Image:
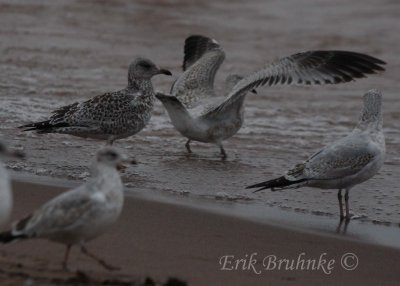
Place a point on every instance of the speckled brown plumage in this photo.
(110, 116)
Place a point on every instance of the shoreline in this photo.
(365, 231)
(161, 240)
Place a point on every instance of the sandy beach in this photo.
(161, 240)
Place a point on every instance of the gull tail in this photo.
(280, 183)
(176, 110)
(42, 126)
(8, 237)
(17, 232)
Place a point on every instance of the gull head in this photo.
(111, 157)
(142, 68)
(373, 98)
(372, 113)
(231, 80)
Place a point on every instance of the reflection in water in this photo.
(340, 229)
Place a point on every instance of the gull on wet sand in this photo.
(6, 200)
(110, 116)
(199, 115)
(79, 215)
(345, 163)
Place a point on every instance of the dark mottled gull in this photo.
(79, 215)
(345, 163)
(110, 116)
(200, 116)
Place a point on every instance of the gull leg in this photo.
(339, 195)
(223, 153)
(346, 224)
(338, 228)
(100, 261)
(187, 145)
(66, 255)
(346, 199)
(110, 140)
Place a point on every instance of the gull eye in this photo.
(112, 155)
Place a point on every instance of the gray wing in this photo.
(59, 214)
(308, 68)
(341, 159)
(203, 57)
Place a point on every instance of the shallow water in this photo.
(57, 53)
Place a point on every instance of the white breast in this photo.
(5, 196)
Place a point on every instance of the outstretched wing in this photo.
(312, 67)
(203, 57)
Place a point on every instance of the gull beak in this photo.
(123, 164)
(164, 71)
(161, 96)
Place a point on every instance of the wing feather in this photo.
(308, 68)
(203, 57)
(105, 109)
(195, 47)
(63, 212)
(338, 160)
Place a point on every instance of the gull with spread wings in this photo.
(199, 115)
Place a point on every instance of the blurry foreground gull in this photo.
(79, 215)
(199, 115)
(5, 186)
(345, 163)
(109, 116)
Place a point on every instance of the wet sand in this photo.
(162, 240)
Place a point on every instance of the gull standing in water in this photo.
(6, 200)
(81, 214)
(201, 116)
(345, 163)
(110, 116)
